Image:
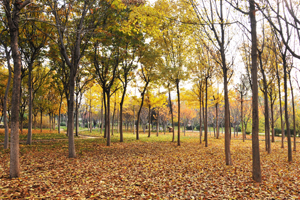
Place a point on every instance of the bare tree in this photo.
(215, 28)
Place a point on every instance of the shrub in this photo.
(189, 128)
(277, 131)
(63, 123)
(198, 127)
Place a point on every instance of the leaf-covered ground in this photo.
(157, 169)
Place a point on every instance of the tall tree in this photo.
(215, 27)
(13, 14)
(242, 89)
(32, 42)
(256, 167)
(5, 43)
(173, 44)
(72, 44)
(147, 73)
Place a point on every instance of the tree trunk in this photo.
(13, 23)
(113, 118)
(107, 120)
(140, 109)
(59, 113)
(102, 121)
(290, 158)
(266, 105)
(200, 120)
(281, 118)
(294, 113)
(41, 123)
(172, 117)
(117, 126)
(227, 122)
(6, 142)
(149, 121)
(50, 121)
(105, 113)
(272, 121)
(70, 128)
(53, 117)
(256, 168)
(90, 113)
(157, 123)
(76, 115)
(133, 120)
(29, 134)
(217, 122)
(205, 119)
(178, 97)
(242, 119)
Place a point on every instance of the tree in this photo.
(5, 44)
(132, 47)
(72, 44)
(216, 35)
(256, 168)
(13, 13)
(32, 43)
(148, 72)
(242, 89)
(173, 43)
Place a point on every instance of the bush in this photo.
(292, 132)
(248, 132)
(277, 131)
(189, 128)
(63, 123)
(198, 127)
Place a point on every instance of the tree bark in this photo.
(178, 97)
(29, 134)
(290, 158)
(6, 136)
(59, 113)
(256, 168)
(205, 119)
(157, 123)
(217, 122)
(280, 108)
(41, 122)
(102, 116)
(70, 128)
(107, 119)
(13, 24)
(294, 113)
(113, 118)
(242, 118)
(200, 120)
(140, 109)
(149, 130)
(171, 110)
(76, 115)
(266, 105)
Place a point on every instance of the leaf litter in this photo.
(149, 170)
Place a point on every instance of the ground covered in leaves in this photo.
(149, 169)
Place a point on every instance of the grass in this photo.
(46, 134)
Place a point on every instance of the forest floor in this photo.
(152, 168)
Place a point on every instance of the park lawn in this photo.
(152, 168)
(46, 134)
